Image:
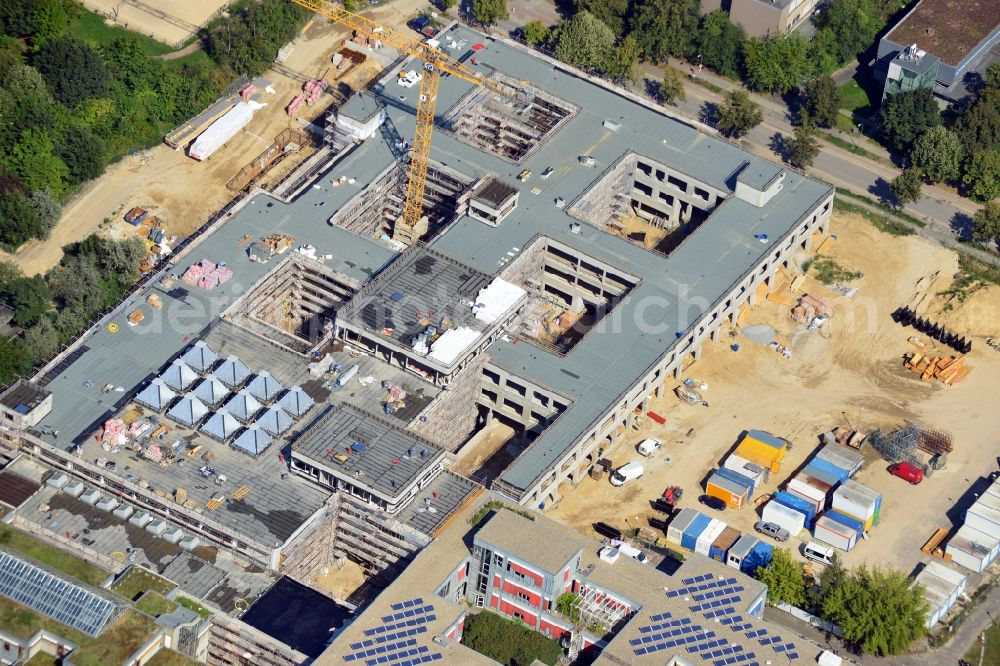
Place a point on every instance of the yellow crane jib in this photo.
(436, 63)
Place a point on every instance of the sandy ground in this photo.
(341, 582)
(168, 21)
(182, 192)
(480, 458)
(852, 368)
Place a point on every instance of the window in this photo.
(677, 182)
(523, 596)
(498, 559)
(701, 193)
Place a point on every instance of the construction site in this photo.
(338, 371)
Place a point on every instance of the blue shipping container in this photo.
(760, 556)
(690, 537)
(821, 474)
(807, 509)
(846, 521)
(840, 474)
(736, 477)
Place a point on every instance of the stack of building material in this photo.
(749, 553)
(859, 502)
(731, 487)
(949, 370)
(942, 588)
(135, 317)
(805, 507)
(838, 530)
(720, 547)
(313, 88)
(153, 452)
(115, 432)
(155, 301)
(809, 308)
(197, 270)
(293, 106)
(782, 516)
(763, 449)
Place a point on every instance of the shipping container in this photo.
(821, 474)
(972, 549)
(760, 556)
(740, 550)
(720, 547)
(840, 474)
(767, 438)
(708, 536)
(857, 501)
(942, 586)
(842, 457)
(223, 129)
(675, 530)
(833, 531)
(738, 477)
(989, 501)
(805, 507)
(781, 515)
(690, 537)
(753, 471)
(983, 518)
(765, 450)
(730, 492)
(809, 489)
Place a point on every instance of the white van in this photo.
(627, 472)
(648, 447)
(631, 551)
(818, 552)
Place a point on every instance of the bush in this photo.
(508, 642)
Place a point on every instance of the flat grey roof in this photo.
(362, 106)
(418, 290)
(446, 494)
(532, 540)
(759, 174)
(379, 453)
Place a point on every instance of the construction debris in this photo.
(136, 216)
(949, 370)
(269, 246)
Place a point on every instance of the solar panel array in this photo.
(392, 642)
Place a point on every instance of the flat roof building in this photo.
(761, 18)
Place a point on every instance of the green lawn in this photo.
(855, 99)
(880, 222)
(138, 580)
(167, 657)
(54, 557)
(91, 27)
(992, 655)
(192, 605)
(113, 646)
(155, 604)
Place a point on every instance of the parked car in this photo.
(608, 531)
(627, 472)
(547, 172)
(648, 446)
(907, 472)
(712, 502)
(770, 529)
(818, 552)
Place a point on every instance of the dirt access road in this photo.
(852, 367)
(183, 192)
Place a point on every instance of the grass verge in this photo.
(192, 605)
(854, 98)
(137, 581)
(895, 212)
(56, 558)
(852, 147)
(718, 90)
(991, 652)
(880, 222)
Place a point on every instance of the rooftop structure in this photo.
(232, 372)
(66, 601)
(23, 404)
(200, 357)
(157, 395)
(760, 18)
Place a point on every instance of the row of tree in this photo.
(881, 611)
(91, 277)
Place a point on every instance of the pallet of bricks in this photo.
(949, 370)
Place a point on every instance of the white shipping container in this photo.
(971, 549)
(798, 485)
(984, 515)
(989, 501)
(753, 471)
(841, 457)
(790, 519)
(708, 537)
(853, 504)
(223, 129)
(982, 524)
(837, 535)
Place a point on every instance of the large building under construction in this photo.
(578, 248)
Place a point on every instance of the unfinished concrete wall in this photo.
(451, 418)
(312, 550)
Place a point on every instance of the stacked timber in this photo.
(949, 370)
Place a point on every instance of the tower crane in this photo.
(435, 63)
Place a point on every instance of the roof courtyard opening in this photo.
(646, 202)
(510, 127)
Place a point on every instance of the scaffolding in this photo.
(592, 610)
(901, 445)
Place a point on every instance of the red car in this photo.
(907, 472)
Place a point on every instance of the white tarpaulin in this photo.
(496, 299)
(452, 343)
(223, 129)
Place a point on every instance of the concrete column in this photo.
(678, 371)
(697, 353)
(715, 334)
(752, 300)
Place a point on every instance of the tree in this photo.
(41, 341)
(490, 12)
(803, 148)
(25, 81)
(849, 27)
(664, 28)
(249, 40)
(73, 70)
(777, 64)
(76, 282)
(882, 611)
(672, 87)
(83, 153)
(938, 153)
(535, 32)
(784, 579)
(583, 41)
(986, 223)
(566, 603)
(33, 161)
(738, 114)
(48, 209)
(620, 65)
(978, 128)
(906, 187)
(822, 100)
(982, 175)
(907, 115)
(30, 298)
(831, 577)
(611, 13)
(719, 42)
(50, 18)
(21, 221)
